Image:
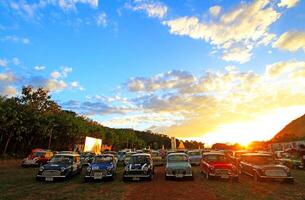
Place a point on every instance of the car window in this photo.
(139, 160)
(177, 158)
(102, 159)
(215, 157)
(62, 159)
(39, 154)
(194, 153)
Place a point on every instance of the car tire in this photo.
(256, 177)
(167, 177)
(86, 179)
(207, 176)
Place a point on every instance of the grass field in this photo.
(19, 183)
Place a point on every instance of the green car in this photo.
(178, 166)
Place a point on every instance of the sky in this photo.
(207, 70)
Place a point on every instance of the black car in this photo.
(61, 166)
(140, 166)
(262, 166)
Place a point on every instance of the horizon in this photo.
(213, 71)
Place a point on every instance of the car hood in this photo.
(56, 166)
(101, 166)
(178, 165)
(271, 167)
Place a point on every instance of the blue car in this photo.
(102, 167)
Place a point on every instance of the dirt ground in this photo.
(19, 183)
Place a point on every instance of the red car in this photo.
(216, 164)
(37, 157)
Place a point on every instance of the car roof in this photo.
(197, 150)
(177, 153)
(141, 154)
(256, 154)
(66, 154)
(105, 154)
(213, 153)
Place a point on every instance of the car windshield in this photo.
(39, 154)
(121, 153)
(139, 160)
(215, 157)
(102, 159)
(262, 160)
(194, 153)
(177, 158)
(62, 159)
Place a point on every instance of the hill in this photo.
(295, 130)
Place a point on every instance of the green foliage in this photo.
(34, 120)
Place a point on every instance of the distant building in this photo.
(281, 146)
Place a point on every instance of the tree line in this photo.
(34, 120)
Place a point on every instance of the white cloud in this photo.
(55, 85)
(237, 54)
(288, 3)
(101, 19)
(3, 63)
(242, 28)
(280, 68)
(16, 61)
(151, 8)
(291, 41)
(16, 39)
(55, 74)
(170, 80)
(71, 4)
(39, 67)
(9, 91)
(215, 10)
(6, 77)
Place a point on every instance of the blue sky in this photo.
(188, 68)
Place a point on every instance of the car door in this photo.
(204, 164)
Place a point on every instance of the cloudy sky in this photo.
(211, 70)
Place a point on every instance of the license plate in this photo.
(135, 178)
(179, 176)
(98, 175)
(224, 176)
(49, 178)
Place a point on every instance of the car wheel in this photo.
(256, 177)
(207, 176)
(167, 177)
(86, 179)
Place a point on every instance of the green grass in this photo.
(19, 183)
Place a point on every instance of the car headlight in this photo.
(62, 169)
(145, 168)
(127, 168)
(89, 169)
(109, 168)
(41, 168)
(212, 168)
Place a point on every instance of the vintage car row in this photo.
(140, 166)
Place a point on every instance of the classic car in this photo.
(102, 166)
(61, 166)
(216, 164)
(121, 156)
(37, 157)
(157, 159)
(127, 157)
(86, 158)
(140, 166)
(264, 166)
(178, 166)
(195, 157)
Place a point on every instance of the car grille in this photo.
(179, 171)
(276, 172)
(136, 172)
(51, 173)
(222, 172)
(104, 172)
